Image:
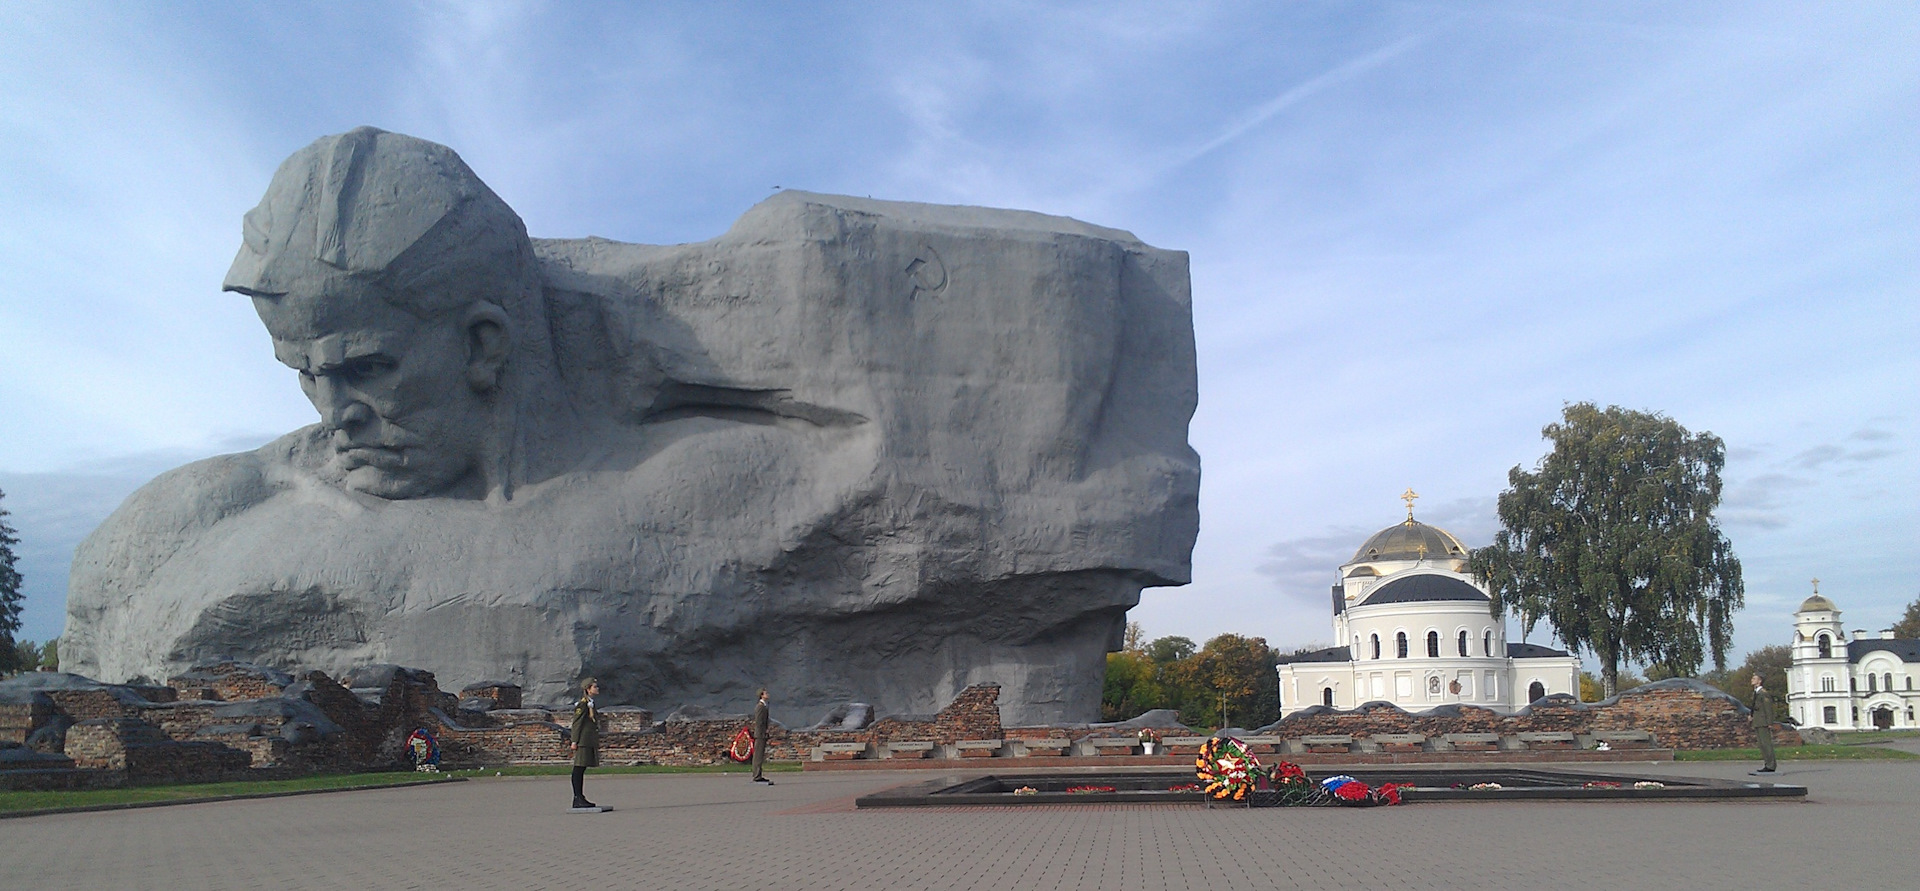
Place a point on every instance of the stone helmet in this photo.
(394, 212)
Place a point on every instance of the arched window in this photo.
(1433, 645)
(1888, 685)
(1873, 683)
(1909, 682)
(1853, 686)
(1326, 696)
(1826, 647)
(1376, 646)
(1486, 643)
(1463, 642)
(1535, 691)
(1400, 645)
(1826, 686)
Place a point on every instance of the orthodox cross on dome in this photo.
(1408, 497)
(1816, 586)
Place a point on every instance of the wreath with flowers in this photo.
(741, 748)
(1226, 769)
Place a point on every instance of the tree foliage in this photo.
(30, 656)
(1228, 681)
(1909, 625)
(9, 594)
(1770, 663)
(1612, 540)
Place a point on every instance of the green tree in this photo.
(1168, 650)
(1132, 686)
(1230, 681)
(1612, 540)
(1909, 625)
(9, 595)
(1770, 663)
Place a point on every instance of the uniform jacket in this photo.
(1762, 708)
(586, 734)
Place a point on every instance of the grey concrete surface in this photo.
(721, 832)
(850, 450)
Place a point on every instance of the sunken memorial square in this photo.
(849, 450)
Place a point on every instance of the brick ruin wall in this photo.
(148, 734)
(1676, 715)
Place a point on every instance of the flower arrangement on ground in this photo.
(1228, 770)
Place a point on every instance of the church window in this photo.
(1376, 646)
(1400, 645)
(1463, 642)
(1826, 685)
(1829, 716)
(1486, 643)
(1888, 686)
(1873, 683)
(1826, 647)
(1326, 696)
(1909, 682)
(1909, 714)
(1535, 691)
(1433, 645)
(1853, 684)
(1856, 714)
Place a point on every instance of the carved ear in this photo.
(489, 342)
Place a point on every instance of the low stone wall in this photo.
(1679, 713)
(230, 681)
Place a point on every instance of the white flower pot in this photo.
(1146, 747)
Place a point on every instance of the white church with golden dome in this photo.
(1419, 633)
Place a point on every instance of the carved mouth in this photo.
(381, 457)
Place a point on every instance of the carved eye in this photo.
(359, 371)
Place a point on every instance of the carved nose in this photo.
(351, 415)
(340, 409)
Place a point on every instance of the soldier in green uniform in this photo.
(760, 740)
(1763, 723)
(586, 740)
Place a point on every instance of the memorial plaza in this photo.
(720, 832)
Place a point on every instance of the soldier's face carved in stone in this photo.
(407, 402)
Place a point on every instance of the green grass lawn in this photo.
(1837, 752)
(34, 801)
(560, 770)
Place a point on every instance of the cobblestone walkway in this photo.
(719, 832)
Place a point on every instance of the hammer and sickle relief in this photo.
(927, 272)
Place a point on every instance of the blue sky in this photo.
(1417, 230)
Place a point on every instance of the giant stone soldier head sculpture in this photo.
(853, 449)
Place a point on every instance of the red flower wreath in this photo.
(741, 749)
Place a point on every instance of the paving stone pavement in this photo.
(720, 832)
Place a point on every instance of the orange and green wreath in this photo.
(1226, 769)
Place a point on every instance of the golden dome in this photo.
(1410, 540)
(1817, 602)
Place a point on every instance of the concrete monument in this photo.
(849, 450)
